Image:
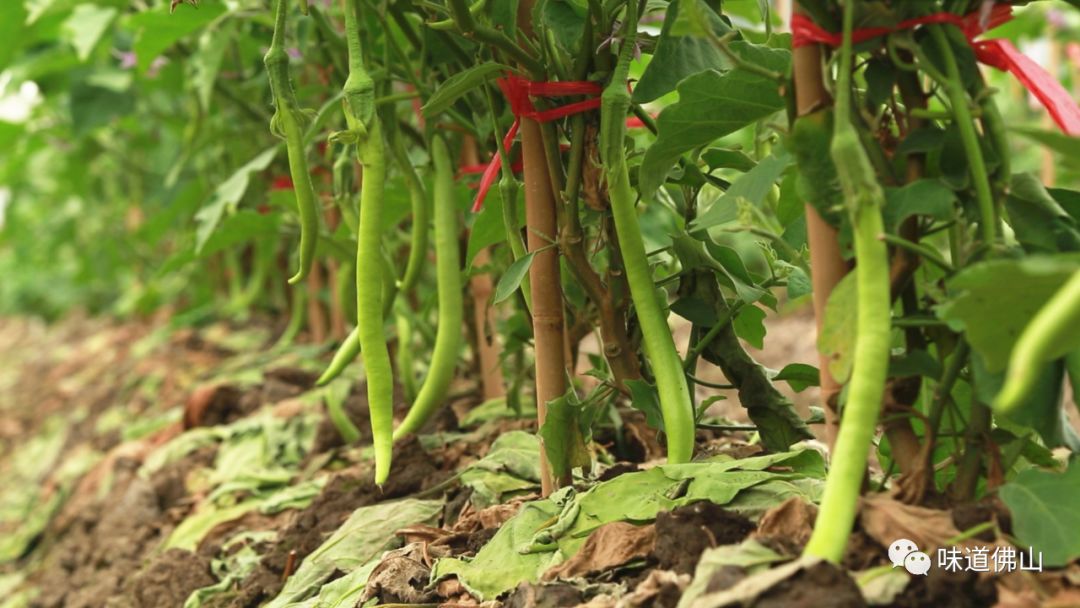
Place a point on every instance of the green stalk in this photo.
(864, 200)
(958, 100)
(448, 334)
(675, 403)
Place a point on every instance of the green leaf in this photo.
(157, 30)
(749, 325)
(751, 187)
(837, 338)
(564, 442)
(85, 27)
(1068, 147)
(488, 228)
(354, 544)
(992, 301)
(1040, 223)
(205, 63)
(12, 17)
(723, 158)
(927, 197)
(459, 84)
(1045, 510)
(694, 121)
(565, 20)
(800, 376)
(94, 106)
(643, 397)
(817, 182)
(679, 53)
(228, 195)
(511, 279)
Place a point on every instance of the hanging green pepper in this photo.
(675, 401)
(288, 123)
(451, 310)
(864, 200)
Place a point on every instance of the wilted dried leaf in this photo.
(609, 546)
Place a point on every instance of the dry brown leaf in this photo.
(792, 521)
(610, 545)
(657, 583)
(885, 520)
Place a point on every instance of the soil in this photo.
(102, 547)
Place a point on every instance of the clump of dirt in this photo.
(684, 533)
(169, 579)
(104, 546)
(548, 595)
(943, 588)
(822, 584)
(346, 492)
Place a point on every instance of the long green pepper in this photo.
(363, 123)
(288, 123)
(675, 403)
(864, 200)
(451, 309)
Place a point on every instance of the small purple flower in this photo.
(128, 60)
(294, 53)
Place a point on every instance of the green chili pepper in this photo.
(418, 199)
(365, 129)
(345, 355)
(451, 312)
(288, 123)
(864, 200)
(1037, 344)
(675, 401)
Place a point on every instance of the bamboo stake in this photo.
(827, 265)
(544, 276)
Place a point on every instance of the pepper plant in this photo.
(495, 183)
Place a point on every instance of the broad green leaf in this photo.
(354, 544)
(1040, 223)
(681, 53)
(205, 63)
(751, 187)
(461, 83)
(564, 442)
(499, 566)
(927, 197)
(799, 376)
(511, 279)
(1045, 510)
(837, 339)
(157, 30)
(992, 301)
(643, 397)
(1040, 410)
(817, 182)
(12, 31)
(94, 106)
(749, 325)
(565, 20)
(694, 121)
(722, 158)
(228, 195)
(750, 556)
(488, 228)
(88, 22)
(510, 467)
(1068, 147)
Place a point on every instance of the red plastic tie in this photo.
(998, 53)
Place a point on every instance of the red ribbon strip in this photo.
(518, 92)
(998, 53)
